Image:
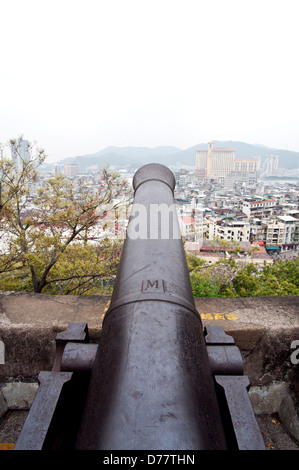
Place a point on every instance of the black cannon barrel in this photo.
(151, 385)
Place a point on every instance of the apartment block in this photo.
(275, 234)
(258, 232)
(258, 207)
(291, 224)
(238, 231)
(186, 225)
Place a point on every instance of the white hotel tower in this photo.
(215, 163)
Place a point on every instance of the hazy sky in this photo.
(77, 76)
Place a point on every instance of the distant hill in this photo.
(134, 157)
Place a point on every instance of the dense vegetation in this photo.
(48, 248)
(227, 278)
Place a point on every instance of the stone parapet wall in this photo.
(29, 324)
(264, 329)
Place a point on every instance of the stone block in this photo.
(289, 416)
(19, 395)
(268, 399)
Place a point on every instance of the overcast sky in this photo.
(77, 76)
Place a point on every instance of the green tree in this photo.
(246, 283)
(15, 183)
(230, 279)
(48, 244)
(195, 263)
(214, 280)
(203, 286)
(14, 180)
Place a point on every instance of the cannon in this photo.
(156, 379)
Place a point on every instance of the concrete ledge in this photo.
(29, 324)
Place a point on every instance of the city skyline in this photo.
(78, 77)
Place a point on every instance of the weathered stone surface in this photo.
(263, 328)
(11, 427)
(271, 358)
(268, 399)
(19, 395)
(3, 405)
(30, 322)
(289, 416)
(55, 311)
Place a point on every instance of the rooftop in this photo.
(187, 220)
(287, 218)
(212, 246)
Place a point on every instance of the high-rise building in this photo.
(271, 165)
(246, 171)
(70, 170)
(215, 163)
(58, 168)
(20, 152)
